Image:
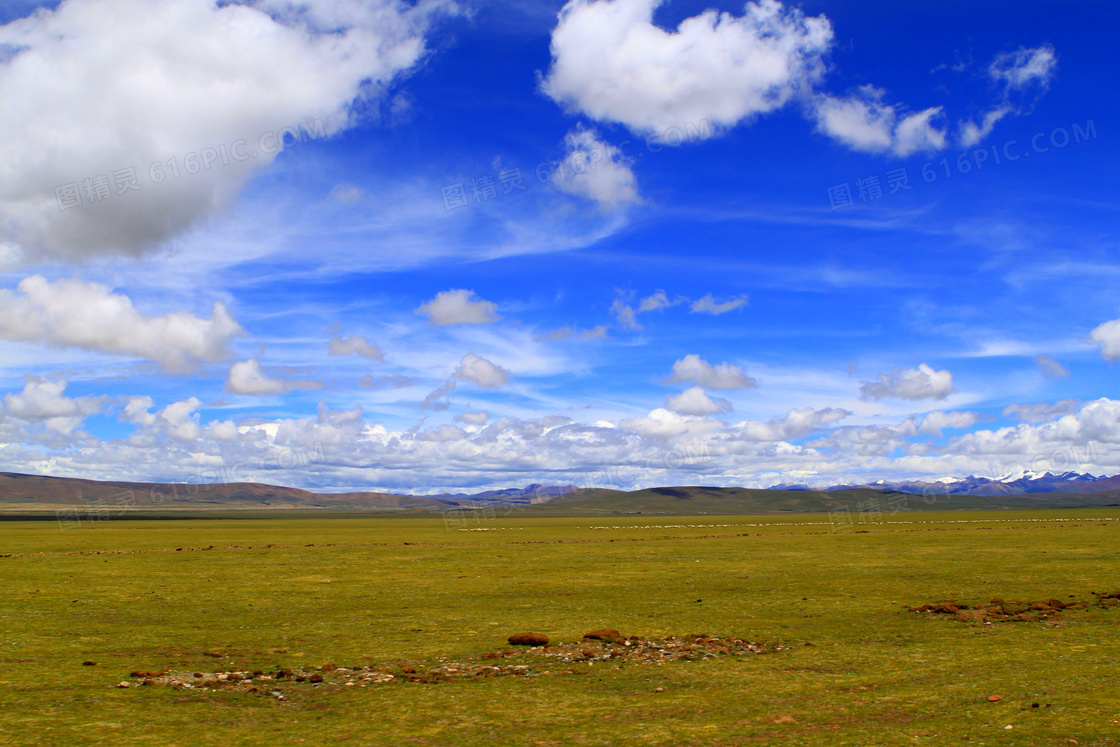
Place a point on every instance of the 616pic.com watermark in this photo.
(100, 187)
(871, 188)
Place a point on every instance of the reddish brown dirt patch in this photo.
(610, 635)
(1001, 610)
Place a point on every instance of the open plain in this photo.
(392, 630)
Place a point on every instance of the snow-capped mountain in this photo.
(1013, 483)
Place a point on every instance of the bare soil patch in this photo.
(1003, 611)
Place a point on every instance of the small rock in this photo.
(528, 639)
(994, 698)
(659, 689)
(1034, 705)
(122, 684)
(1009, 726)
(89, 663)
(315, 678)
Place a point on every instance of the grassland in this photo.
(390, 590)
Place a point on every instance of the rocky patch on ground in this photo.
(556, 659)
(999, 610)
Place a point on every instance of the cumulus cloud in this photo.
(934, 423)
(1022, 77)
(862, 121)
(1107, 338)
(611, 62)
(922, 382)
(355, 345)
(45, 401)
(246, 377)
(709, 305)
(694, 369)
(181, 419)
(473, 418)
(695, 401)
(796, 424)
(596, 171)
(73, 313)
(482, 372)
(458, 307)
(106, 126)
(663, 425)
(1050, 368)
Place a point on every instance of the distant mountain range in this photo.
(1015, 483)
(35, 494)
(30, 492)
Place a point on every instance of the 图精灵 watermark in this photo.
(117, 183)
(874, 187)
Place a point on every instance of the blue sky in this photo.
(513, 243)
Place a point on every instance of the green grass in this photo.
(386, 589)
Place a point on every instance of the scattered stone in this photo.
(528, 639)
(122, 684)
(89, 663)
(535, 661)
(994, 698)
(659, 689)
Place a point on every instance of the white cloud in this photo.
(1022, 76)
(662, 425)
(458, 307)
(355, 345)
(473, 418)
(657, 301)
(863, 122)
(246, 377)
(1107, 338)
(611, 62)
(596, 171)
(181, 419)
(481, 371)
(1025, 67)
(709, 305)
(1041, 411)
(796, 424)
(136, 410)
(1050, 368)
(73, 313)
(695, 401)
(595, 333)
(693, 369)
(934, 422)
(922, 382)
(103, 86)
(627, 315)
(43, 400)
